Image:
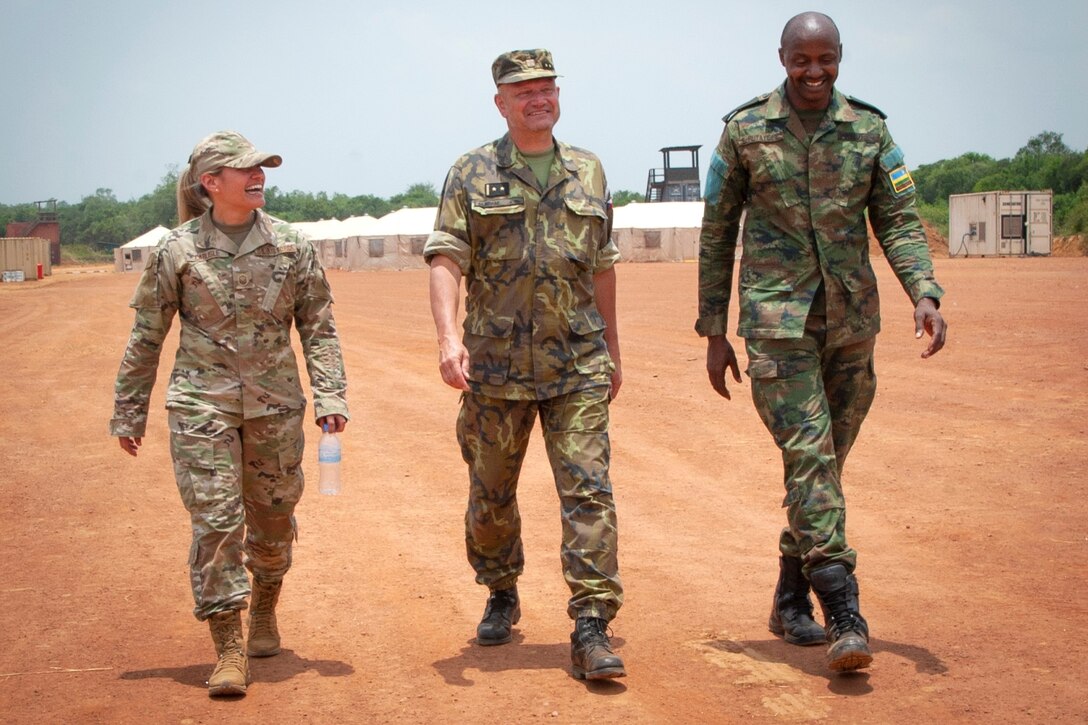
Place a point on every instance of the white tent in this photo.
(132, 255)
(659, 231)
(397, 239)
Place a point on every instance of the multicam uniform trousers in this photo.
(813, 399)
(240, 481)
(494, 434)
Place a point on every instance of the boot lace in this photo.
(263, 614)
(594, 631)
(843, 619)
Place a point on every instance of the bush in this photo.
(84, 254)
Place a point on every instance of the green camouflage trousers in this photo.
(240, 481)
(494, 434)
(813, 399)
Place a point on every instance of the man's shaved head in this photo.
(808, 24)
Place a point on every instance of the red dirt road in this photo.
(966, 493)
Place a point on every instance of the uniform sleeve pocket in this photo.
(586, 323)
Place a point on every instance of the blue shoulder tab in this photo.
(749, 104)
(867, 106)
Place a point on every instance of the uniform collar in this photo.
(509, 158)
(839, 110)
(210, 237)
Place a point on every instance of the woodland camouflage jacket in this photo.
(528, 255)
(805, 202)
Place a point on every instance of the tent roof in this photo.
(357, 226)
(406, 222)
(148, 239)
(322, 229)
(659, 215)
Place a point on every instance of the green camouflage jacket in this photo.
(805, 203)
(528, 255)
(234, 355)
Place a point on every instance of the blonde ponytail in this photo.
(193, 200)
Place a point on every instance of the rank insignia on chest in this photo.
(498, 188)
(901, 180)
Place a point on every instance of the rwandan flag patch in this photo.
(901, 180)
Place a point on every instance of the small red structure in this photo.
(45, 226)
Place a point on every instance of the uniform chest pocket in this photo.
(856, 158)
(206, 290)
(783, 175)
(499, 227)
(584, 227)
(272, 274)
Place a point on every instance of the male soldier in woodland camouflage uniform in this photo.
(806, 162)
(526, 220)
(237, 278)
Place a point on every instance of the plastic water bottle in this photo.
(328, 460)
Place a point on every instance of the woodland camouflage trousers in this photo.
(813, 399)
(494, 434)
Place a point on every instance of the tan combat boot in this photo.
(264, 638)
(231, 674)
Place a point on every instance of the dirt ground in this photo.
(966, 493)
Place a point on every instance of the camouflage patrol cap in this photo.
(522, 65)
(228, 148)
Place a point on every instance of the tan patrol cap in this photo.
(228, 148)
(522, 65)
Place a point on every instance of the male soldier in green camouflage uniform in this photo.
(237, 278)
(526, 220)
(806, 162)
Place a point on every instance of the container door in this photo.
(1039, 224)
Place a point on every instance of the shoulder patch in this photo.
(899, 178)
(867, 106)
(715, 177)
(749, 104)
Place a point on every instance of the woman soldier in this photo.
(237, 278)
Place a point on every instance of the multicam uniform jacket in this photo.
(532, 329)
(236, 310)
(806, 200)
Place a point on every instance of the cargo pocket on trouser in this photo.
(272, 450)
(207, 479)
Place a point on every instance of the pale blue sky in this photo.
(368, 98)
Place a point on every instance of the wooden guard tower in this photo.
(679, 179)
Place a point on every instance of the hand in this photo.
(719, 355)
(453, 363)
(130, 445)
(927, 318)
(617, 381)
(336, 423)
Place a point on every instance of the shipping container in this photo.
(26, 255)
(999, 224)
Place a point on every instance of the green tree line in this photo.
(102, 221)
(1045, 162)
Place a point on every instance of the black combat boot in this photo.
(847, 630)
(791, 611)
(591, 654)
(502, 612)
